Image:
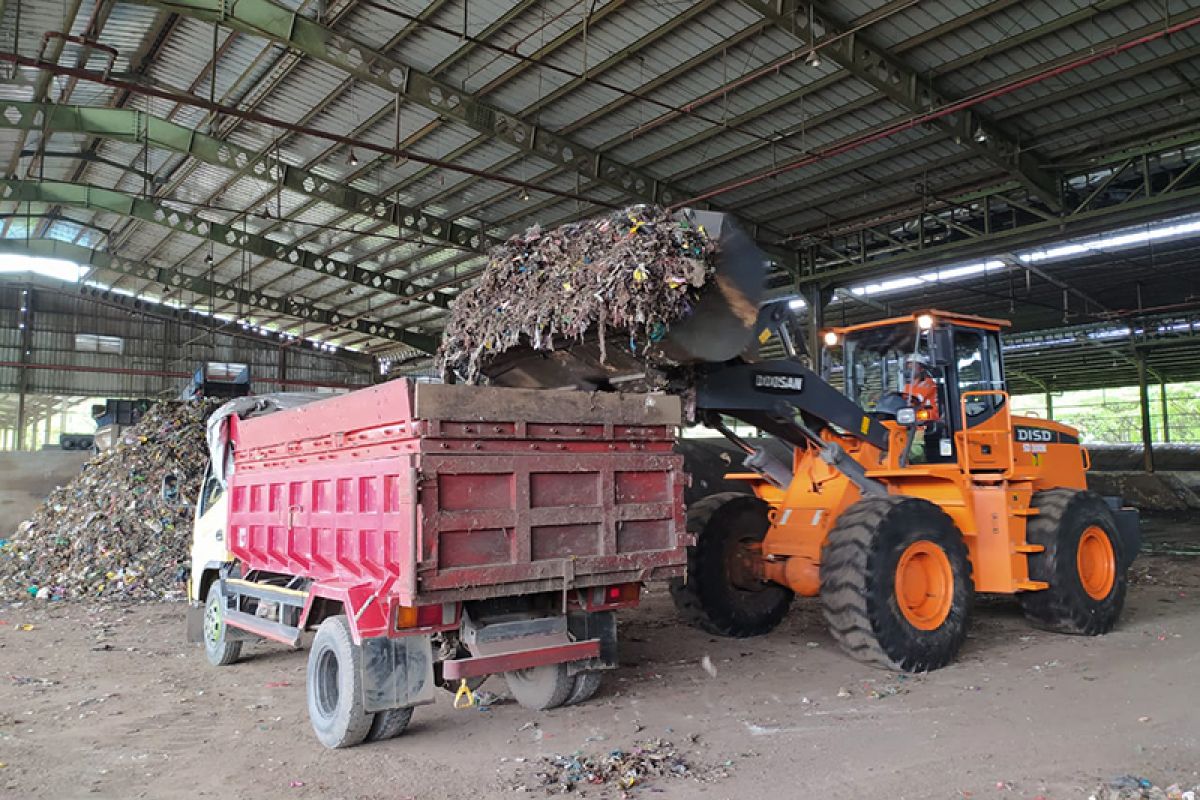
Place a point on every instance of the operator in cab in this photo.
(922, 390)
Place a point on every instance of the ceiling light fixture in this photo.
(353, 159)
(814, 59)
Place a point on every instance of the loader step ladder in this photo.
(290, 603)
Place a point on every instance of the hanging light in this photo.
(524, 194)
(353, 159)
(814, 59)
(980, 134)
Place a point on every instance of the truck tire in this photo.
(586, 685)
(334, 686)
(896, 583)
(219, 649)
(541, 688)
(389, 724)
(710, 597)
(1082, 562)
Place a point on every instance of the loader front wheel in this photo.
(721, 594)
(896, 583)
(1081, 561)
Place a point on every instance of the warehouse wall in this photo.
(27, 478)
(152, 344)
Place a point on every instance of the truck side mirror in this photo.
(941, 347)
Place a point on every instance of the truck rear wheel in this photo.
(720, 594)
(334, 686)
(220, 650)
(585, 686)
(1082, 562)
(389, 724)
(541, 688)
(896, 583)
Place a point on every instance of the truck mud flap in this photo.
(195, 623)
(397, 673)
(1129, 527)
(600, 625)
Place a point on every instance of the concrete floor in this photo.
(108, 702)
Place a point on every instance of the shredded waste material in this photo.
(646, 763)
(634, 272)
(1133, 787)
(109, 533)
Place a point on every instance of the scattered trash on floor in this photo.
(632, 272)
(646, 764)
(108, 533)
(1133, 787)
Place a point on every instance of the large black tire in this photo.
(868, 614)
(586, 684)
(334, 686)
(707, 598)
(541, 688)
(389, 724)
(219, 649)
(1064, 516)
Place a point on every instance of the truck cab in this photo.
(210, 550)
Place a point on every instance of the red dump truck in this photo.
(432, 535)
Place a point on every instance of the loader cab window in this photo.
(211, 492)
(977, 368)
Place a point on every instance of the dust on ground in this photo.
(107, 701)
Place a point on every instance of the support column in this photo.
(817, 297)
(46, 427)
(25, 329)
(1144, 402)
(1166, 417)
(1049, 404)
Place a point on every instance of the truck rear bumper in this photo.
(520, 659)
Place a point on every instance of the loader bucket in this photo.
(720, 327)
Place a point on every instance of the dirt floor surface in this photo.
(107, 701)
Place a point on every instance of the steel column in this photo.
(1144, 402)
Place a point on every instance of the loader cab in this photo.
(922, 367)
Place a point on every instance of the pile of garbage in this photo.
(634, 271)
(1132, 787)
(109, 533)
(621, 770)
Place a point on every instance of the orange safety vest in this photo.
(926, 389)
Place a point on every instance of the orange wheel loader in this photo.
(910, 489)
(911, 485)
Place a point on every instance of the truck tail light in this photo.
(425, 616)
(621, 594)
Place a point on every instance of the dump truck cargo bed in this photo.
(409, 494)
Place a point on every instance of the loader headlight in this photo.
(925, 322)
(906, 416)
(831, 339)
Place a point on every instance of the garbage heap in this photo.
(634, 271)
(109, 533)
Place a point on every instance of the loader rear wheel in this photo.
(219, 649)
(1081, 561)
(720, 594)
(896, 583)
(334, 686)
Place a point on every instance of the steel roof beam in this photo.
(99, 199)
(277, 22)
(176, 280)
(140, 128)
(902, 84)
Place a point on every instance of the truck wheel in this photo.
(1082, 563)
(541, 688)
(334, 686)
(389, 724)
(220, 650)
(586, 685)
(896, 583)
(719, 594)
